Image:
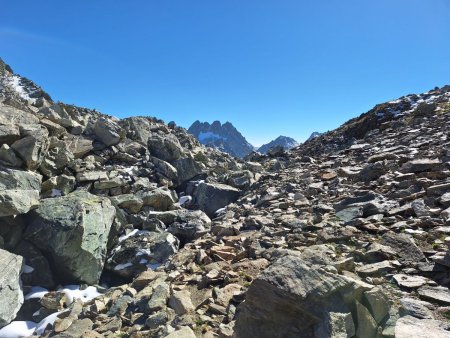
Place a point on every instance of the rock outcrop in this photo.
(11, 294)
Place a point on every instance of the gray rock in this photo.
(141, 250)
(78, 145)
(59, 115)
(420, 209)
(181, 302)
(19, 191)
(58, 157)
(416, 308)
(290, 299)
(378, 304)
(11, 294)
(165, 168)
(367, 326)
(184, 332)
(187, 168)
(165, 147)
(372, 172)
(439, 295)
(410, 282)
(159, 199)
(420, 165)
(33, 147)
(407, 327)
(349, 214)
(9, 133)
(16, 202)
(73, 230)
(210, 197)
(107, 131)
(12, 115)
(158, 300)
(408, 252)
(9, 157)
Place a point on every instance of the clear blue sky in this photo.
(270, 67)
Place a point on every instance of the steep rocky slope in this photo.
(281, 141)
(88, 198)
(346, 235)
(224, 137)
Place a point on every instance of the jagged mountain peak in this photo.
(224, 137)
(283, 141)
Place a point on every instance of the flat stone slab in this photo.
(438, 295)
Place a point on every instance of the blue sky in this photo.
(271, 67)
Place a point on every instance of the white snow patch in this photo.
(27, 269)
(184, 199)
(133, 233)
(73, 292)
(122, 266)
(36, 292)
(19, 329)
(14, 83)
(209, 135)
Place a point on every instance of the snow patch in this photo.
(73, 292)
(184, 199)
(14, 82)
(27, 269)
(119, 267)
(19, 329)
(133, 233)
(36, 292)
(209, 135)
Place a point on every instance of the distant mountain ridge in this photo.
(283, 141)
(227, 138)
(224, 137)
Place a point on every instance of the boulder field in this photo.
(132, 228)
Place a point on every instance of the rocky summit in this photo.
(224, 137)
(283, 142)
(132, 228)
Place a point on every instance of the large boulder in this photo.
(107, 131)
(11, 295)
(19, 191)
(73, 230)
(9, 133)
(409, 326)
(33, 147)
(165, 147)
(57, 114)
(158, 199)
(295, 298)
(187, 168)
(291, 299)
(210, 197)
(13, 115)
